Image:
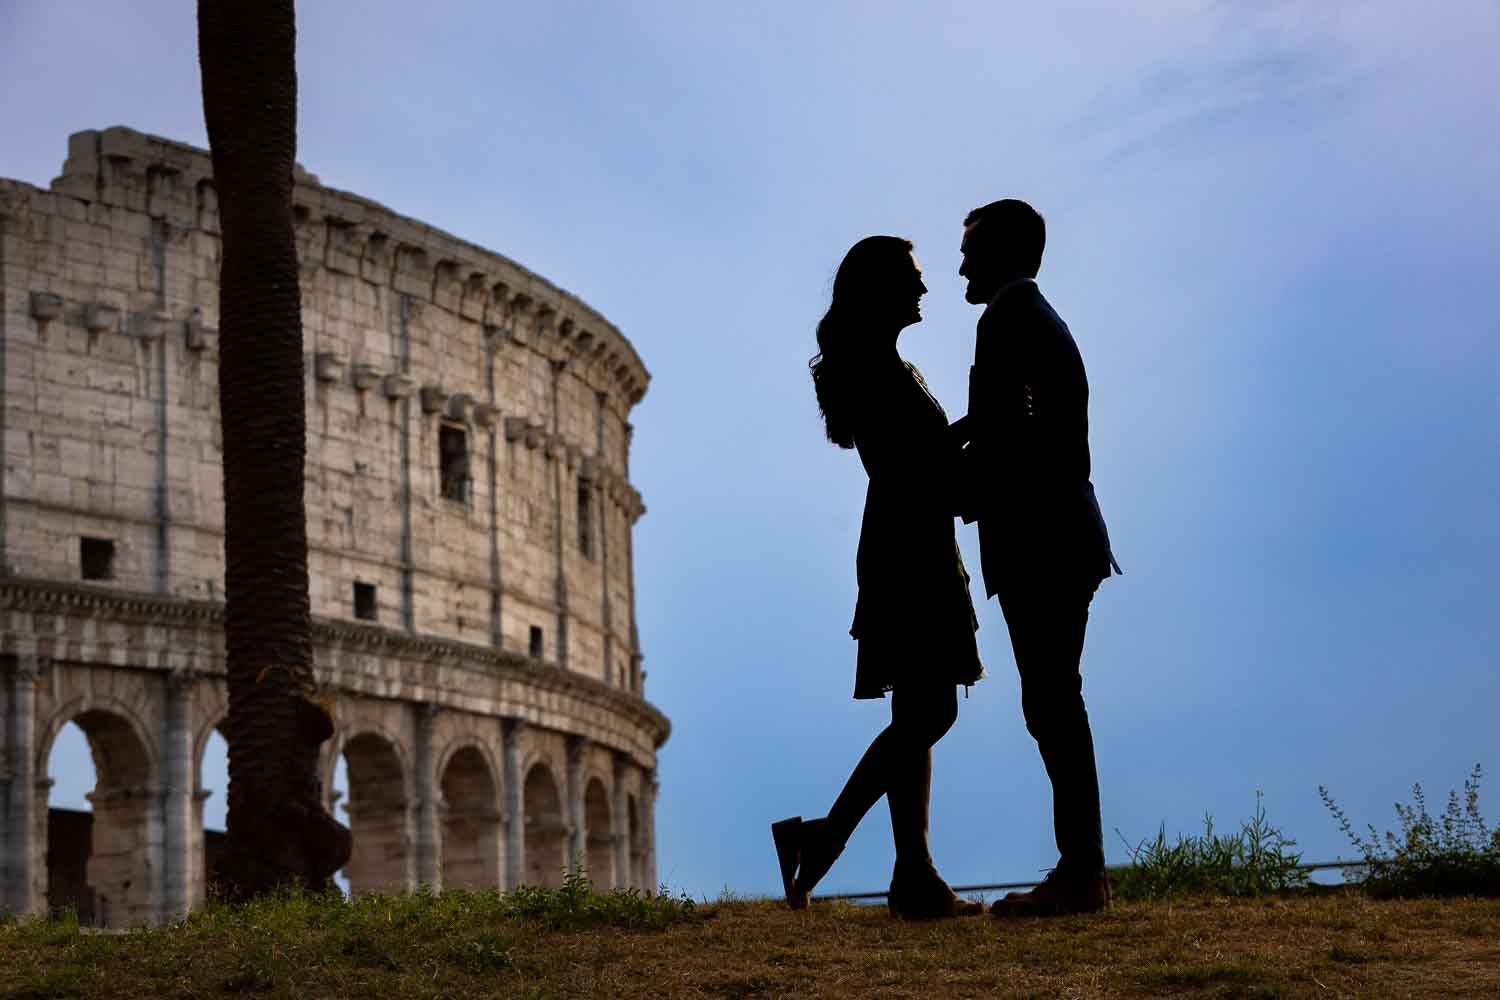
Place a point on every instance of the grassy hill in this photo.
(589, 945)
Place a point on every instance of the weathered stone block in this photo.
(46, 307)
(100, 317)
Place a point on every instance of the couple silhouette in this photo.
(1017, 464)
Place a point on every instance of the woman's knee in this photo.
(924, 717)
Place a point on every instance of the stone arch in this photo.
(105, 866)
(206, 846)
(72, 710)
(546, 829)
(379, 817)
(210, 708)
(470, 818)
(334, 748)
(599, 850)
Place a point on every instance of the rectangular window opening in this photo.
(97, 558)
(364, 601)
(453, 462)
(586, 518)
(536, 642)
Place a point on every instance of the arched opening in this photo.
(471, 823)
(99, 858)
(210, 810)
(600, 856)
(338, 807)
(546, 832)
(377, 817)
(637, 851)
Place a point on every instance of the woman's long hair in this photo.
(858, 287)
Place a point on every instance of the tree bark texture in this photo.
(279, 832)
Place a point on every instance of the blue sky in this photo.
(1272, 229)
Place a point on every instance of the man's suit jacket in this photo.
(1025, 472)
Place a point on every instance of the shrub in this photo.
(1453, 855)
(1255, 861)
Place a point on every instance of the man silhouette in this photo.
(1043, 544)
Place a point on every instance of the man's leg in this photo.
(1047, 625)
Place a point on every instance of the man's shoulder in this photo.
(1021, 304)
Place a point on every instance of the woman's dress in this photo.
(914, 620)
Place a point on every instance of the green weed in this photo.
(1254, 861)
(576, 905)
(1456, 854)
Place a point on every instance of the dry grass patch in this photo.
(460, 945)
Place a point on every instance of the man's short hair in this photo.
(1012, 229)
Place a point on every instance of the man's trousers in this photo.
(1047, 619)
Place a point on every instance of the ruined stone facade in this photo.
(469, 530)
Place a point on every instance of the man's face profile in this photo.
(976, 266)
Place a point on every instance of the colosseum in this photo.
(469, 540)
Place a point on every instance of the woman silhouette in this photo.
(914, 620)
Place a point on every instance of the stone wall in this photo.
(111, 409)
(463, 416)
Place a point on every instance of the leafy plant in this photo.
(1256, 860)
(577, 905)
(1456, 854)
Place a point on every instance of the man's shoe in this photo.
(1057, 895)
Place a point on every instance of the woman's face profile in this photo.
(909, 291)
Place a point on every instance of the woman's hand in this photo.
(958, 431)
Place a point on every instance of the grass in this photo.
(487, 945)
(1211, 916)
(1255, 860)
(296, 944)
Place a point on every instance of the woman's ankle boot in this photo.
(805, 850)
(787, 836)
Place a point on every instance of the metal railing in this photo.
(858, 897)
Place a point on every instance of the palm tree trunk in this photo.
(279, 833)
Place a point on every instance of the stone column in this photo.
(648, 829)
(127, 853)
(179, 861)
(428, 850)
(560, 587)
(578, 842)
(198, 845)
(41, 879)
(515, 815)
(21, 889)
(621, 824)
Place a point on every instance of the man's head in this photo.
(1002, 241)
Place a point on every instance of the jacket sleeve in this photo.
(1014, 430)
(982, 470)
(1033, 434)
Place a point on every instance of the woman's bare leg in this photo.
(924, 715)
(898, 764)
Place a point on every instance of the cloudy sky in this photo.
(1273, 229)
